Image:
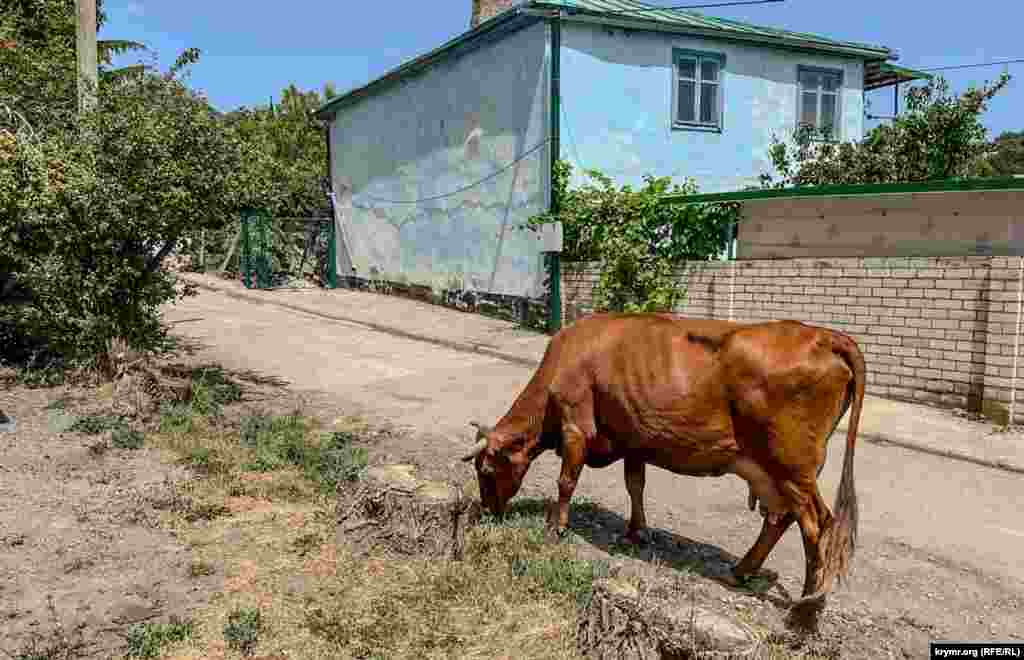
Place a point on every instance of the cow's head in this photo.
(500, 467)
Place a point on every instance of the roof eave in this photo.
(584, 16)
(327, 109)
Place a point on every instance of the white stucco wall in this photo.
(459, 122)
(617, 100)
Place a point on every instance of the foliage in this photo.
(282, 171)
(90, 212)
(938, 136)
(1007, 157)
(641, 241)
(147, 640)
(37, 68)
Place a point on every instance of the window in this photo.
(819, 104)
(698, 90)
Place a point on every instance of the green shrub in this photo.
(146, 640)
(641, 241)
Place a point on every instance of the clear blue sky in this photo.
(251, 50)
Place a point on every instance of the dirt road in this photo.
(941, 544)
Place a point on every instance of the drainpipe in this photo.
(554, 258)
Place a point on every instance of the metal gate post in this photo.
(244, 257)
(332, 254)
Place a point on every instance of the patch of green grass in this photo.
(280, 442)
(96, 424)
(58, 404)
(218, 388)
(146, 640)
(176, 418)
(338, 461)
(125, 438)
(562, 576)
(206, 460)
(242, 631)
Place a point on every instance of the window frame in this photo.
(837, 128)
(698, 57)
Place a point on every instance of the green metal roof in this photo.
(627, 13)
(943, 185)
(691, 21)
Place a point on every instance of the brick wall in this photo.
(938, 329)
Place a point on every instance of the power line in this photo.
(969, 66)
(460, 190)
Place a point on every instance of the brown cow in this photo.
(700, 398)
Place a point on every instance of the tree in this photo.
(150, 163)
(37, 68)
(939, 136)
(1007, 157)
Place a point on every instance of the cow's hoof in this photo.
(638, 537)
(554, 534)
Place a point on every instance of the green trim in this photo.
(686, 53)
(944, 185)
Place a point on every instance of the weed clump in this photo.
(281, 442)
(242, 631)
(146, 640)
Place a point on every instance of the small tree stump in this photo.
(622, 622)
(391, 512)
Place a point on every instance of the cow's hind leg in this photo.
(636, 477)
(776, 508)
(814, 518)
(771, 531)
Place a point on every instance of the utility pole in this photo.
(88, 77)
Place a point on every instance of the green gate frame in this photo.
(257, 258)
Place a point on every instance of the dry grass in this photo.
(271, 529)
(261, 514)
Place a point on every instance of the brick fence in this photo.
(937, 329)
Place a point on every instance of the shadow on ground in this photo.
(603, 528)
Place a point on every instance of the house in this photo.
(437, 164)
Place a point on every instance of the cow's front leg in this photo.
(636, 477)
(574, 449)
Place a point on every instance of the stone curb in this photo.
(469, 347)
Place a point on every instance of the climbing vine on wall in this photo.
(642, 242)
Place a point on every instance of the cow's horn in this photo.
(477, 448)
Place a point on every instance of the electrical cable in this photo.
(460, 190)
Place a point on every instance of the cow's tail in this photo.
(840, 538)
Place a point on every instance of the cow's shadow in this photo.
(603, 528)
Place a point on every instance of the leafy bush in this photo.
(937, 136)
(641, 241)
(146, 640)
(92, 212)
